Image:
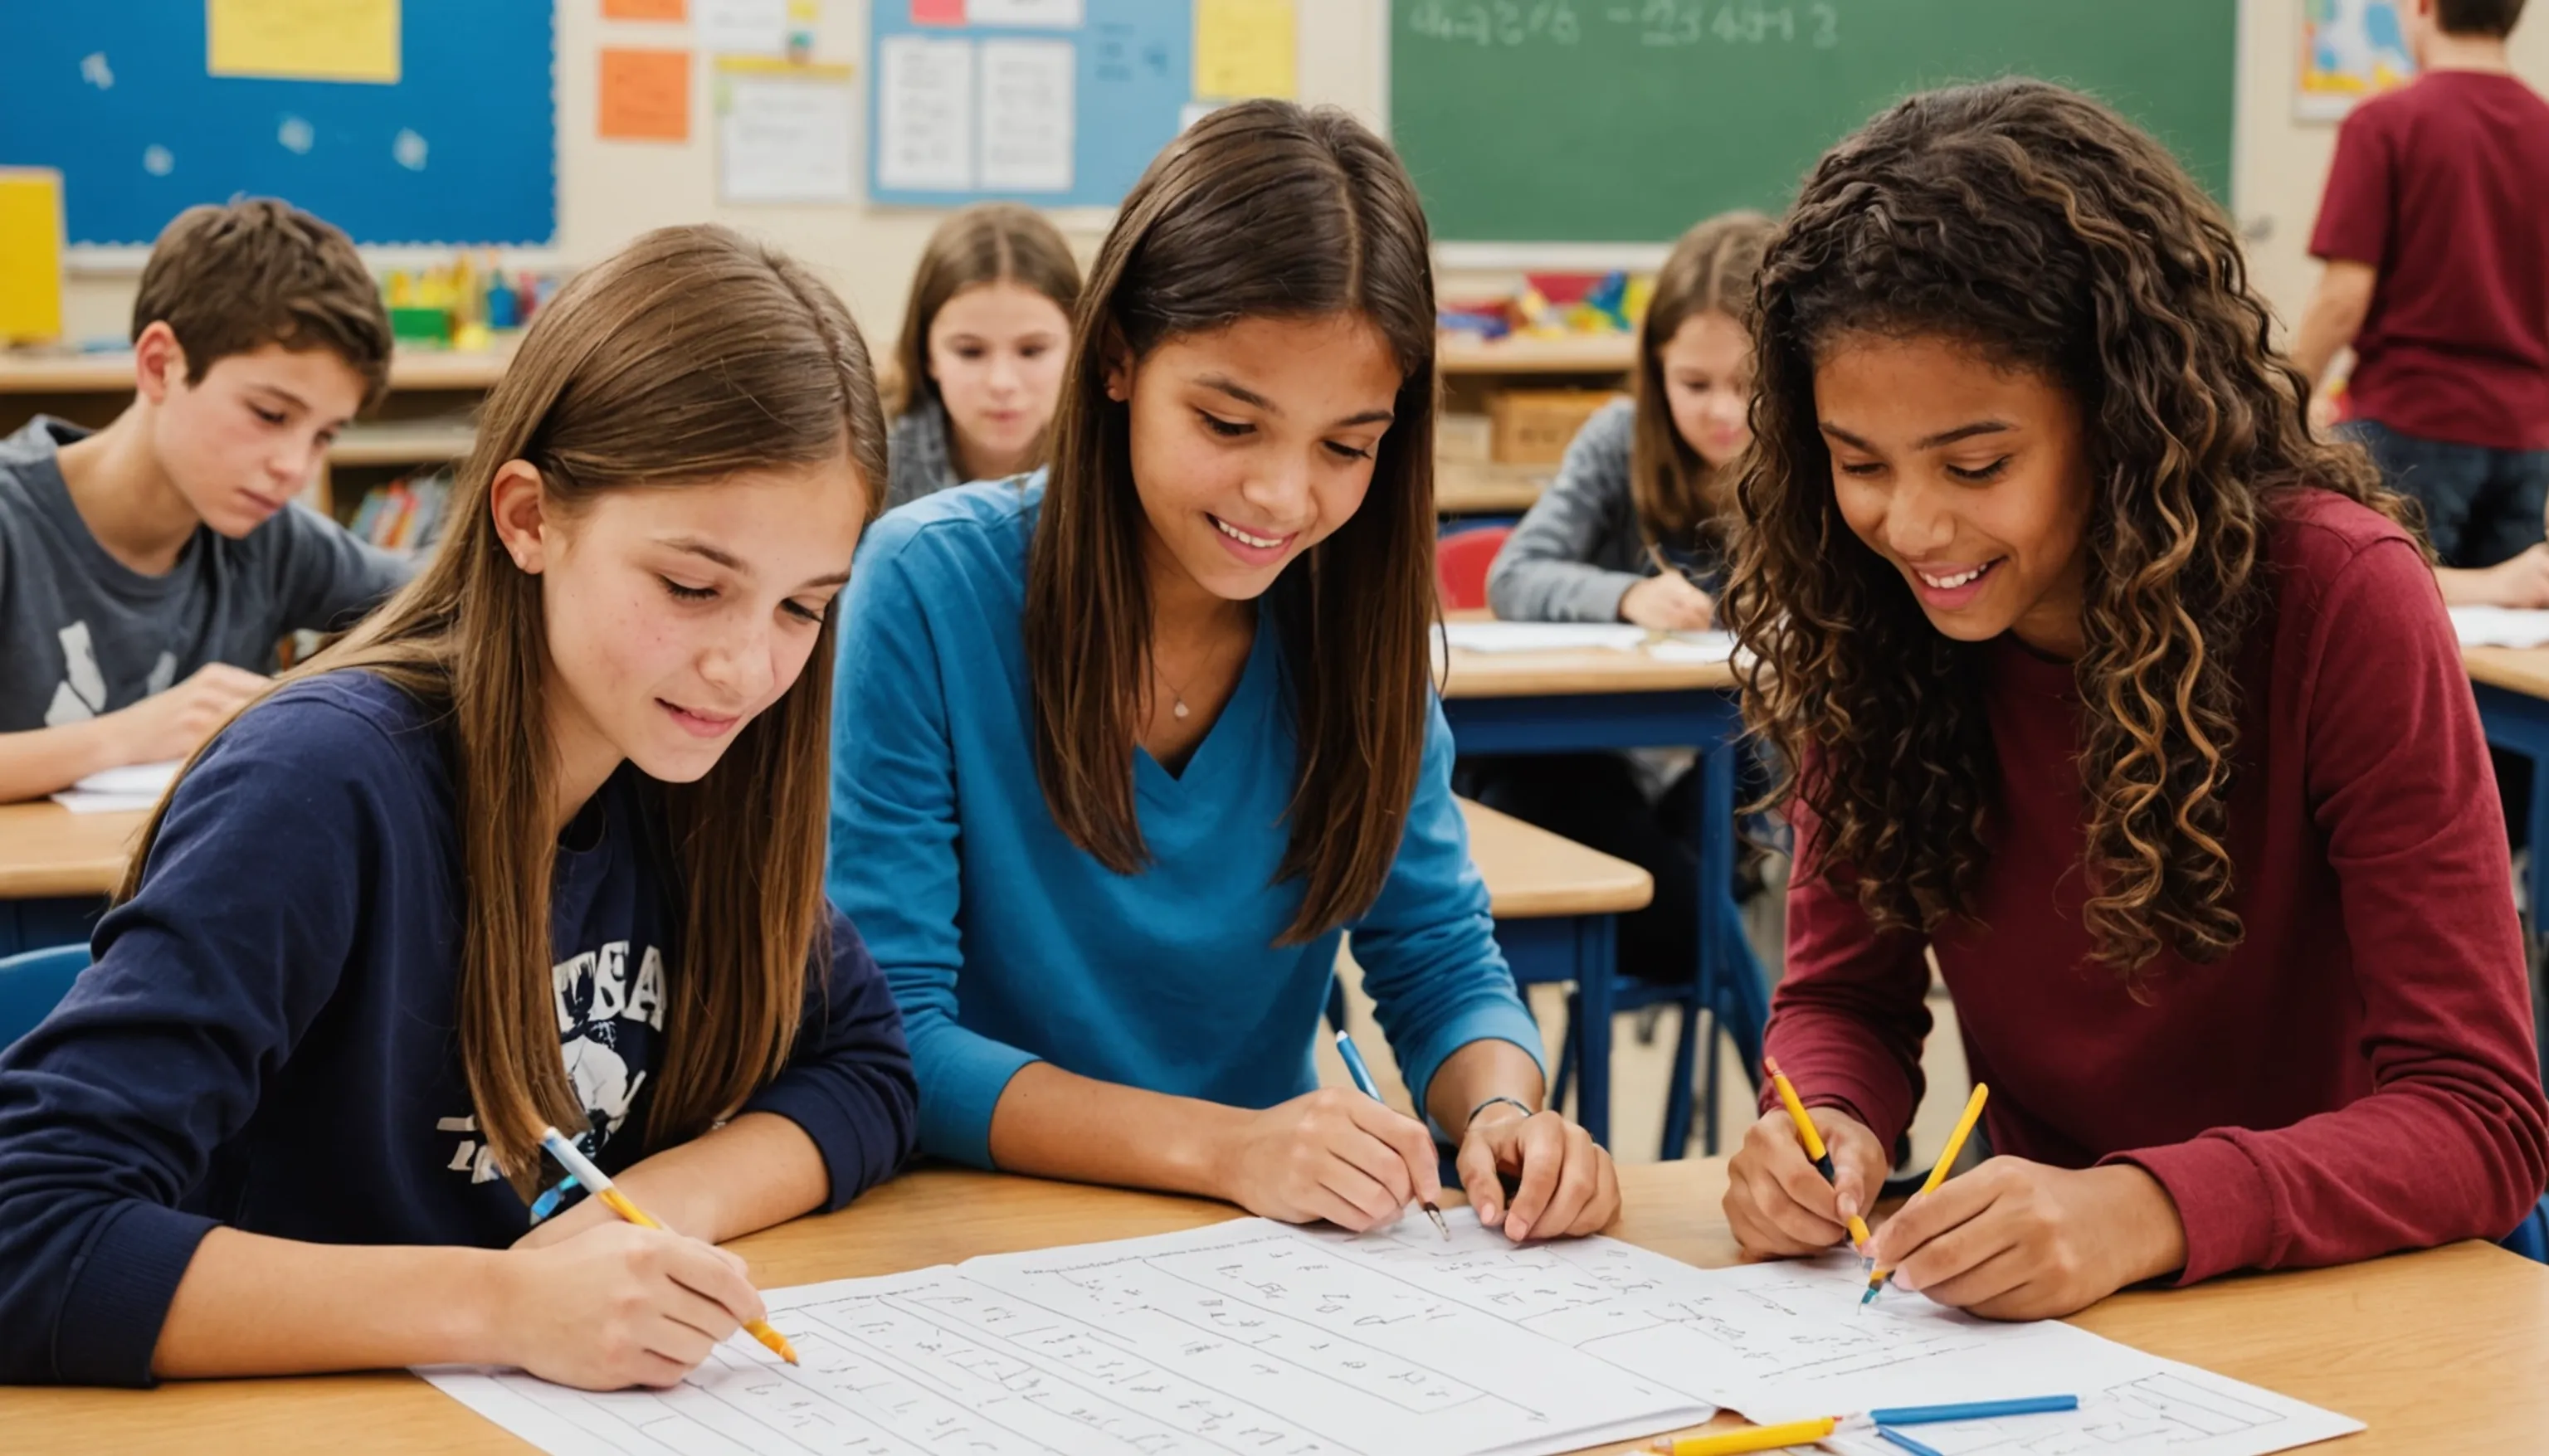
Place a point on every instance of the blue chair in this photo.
(2530, 1237)
(32, 984)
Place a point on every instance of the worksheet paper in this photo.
(2501, 626)
(1255, 1337)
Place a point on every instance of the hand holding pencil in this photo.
(1780, 1200)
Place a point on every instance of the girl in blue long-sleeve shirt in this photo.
(1123, 751)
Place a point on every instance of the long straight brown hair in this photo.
(988, 242)
(1678, 495)
(691, 355)
(1259, 209)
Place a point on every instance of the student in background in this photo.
(984, 339)
(148, 571)
(2435, 232)
(1634, 530)
(1119, 755)
(541, 843)
(2135, 707)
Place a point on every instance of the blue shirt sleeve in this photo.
(1428, 945)
(111, 1110)
(894, 866)
(848, 1082)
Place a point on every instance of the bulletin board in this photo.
(965, 95)
(428, 121)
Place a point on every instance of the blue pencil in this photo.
(1972, 1410)
(1907, 1443)
(1362, 1075)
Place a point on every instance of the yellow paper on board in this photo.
(31, 254)
(1245, 47)
(304, 40)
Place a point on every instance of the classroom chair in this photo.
(1460, 562)
(32, 983)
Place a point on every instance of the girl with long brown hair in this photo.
(539, 844)
(1634, 530)
(983, 341)
(1121, 755)
(2131, 704)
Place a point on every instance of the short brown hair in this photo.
(2478, 17)
(988, 242)
(231, 278)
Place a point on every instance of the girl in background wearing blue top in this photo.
(1120, 755)
(541, 843)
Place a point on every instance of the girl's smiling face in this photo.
(1253, 443)
(1970, 477)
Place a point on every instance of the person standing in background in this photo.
(2436, 231)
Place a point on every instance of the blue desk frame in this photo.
(2518, 723)
(1730, 980)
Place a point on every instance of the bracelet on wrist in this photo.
(1515, 1102)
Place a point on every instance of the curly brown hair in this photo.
(2041, 230)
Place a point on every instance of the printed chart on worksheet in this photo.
(1255, 1338)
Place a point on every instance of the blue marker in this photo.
(1362, 1075)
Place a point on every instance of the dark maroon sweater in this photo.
(2358, 1076)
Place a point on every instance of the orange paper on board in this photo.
(645, 95)
(672, 10)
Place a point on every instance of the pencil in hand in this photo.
(599, 1182)
(1815, 1150)
(1362, 1075)
(1972, 1114)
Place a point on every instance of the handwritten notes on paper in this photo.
(645, 95)
(304, 40)
(925, 114)
(1255, 1336)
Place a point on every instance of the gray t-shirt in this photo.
(82, 634)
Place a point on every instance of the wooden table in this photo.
(1483, 488)
(1533, 875)
(50, 372)
(48, 851)
(2436, 1351)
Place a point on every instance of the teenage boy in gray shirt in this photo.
(148, 570)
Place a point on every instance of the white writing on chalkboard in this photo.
(1653, 23)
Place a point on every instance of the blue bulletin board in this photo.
(1131, 71)
(117, 94)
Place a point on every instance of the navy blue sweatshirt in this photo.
(269, 1038)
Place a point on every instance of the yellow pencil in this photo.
(1973, 1114)
(1751, 1438)
(1806, 1133)
(599, 1185)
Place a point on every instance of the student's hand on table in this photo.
(174, 723)
(1776, 1200)
(1333, 1154)
(2521, 580)
(1667, 603)
(2014, 1240)
(618, 1306)
(1566, 1185)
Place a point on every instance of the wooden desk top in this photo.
(2437, 1351)
(1532, 874)
(46, 850)
(1542, 673)
(2514, 668)
(1592, 353)
(1481, 487)
(23, 373)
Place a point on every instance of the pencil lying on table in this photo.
(599, 1182)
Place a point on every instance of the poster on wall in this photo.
(2350, 50)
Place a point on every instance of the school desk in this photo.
(55, 869)
(1575, 701)
(2435, 1351)
(2512, 687)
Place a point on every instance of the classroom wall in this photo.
(611, 191)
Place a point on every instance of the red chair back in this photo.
(1461, 563)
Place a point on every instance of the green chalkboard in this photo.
(1625, 121)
